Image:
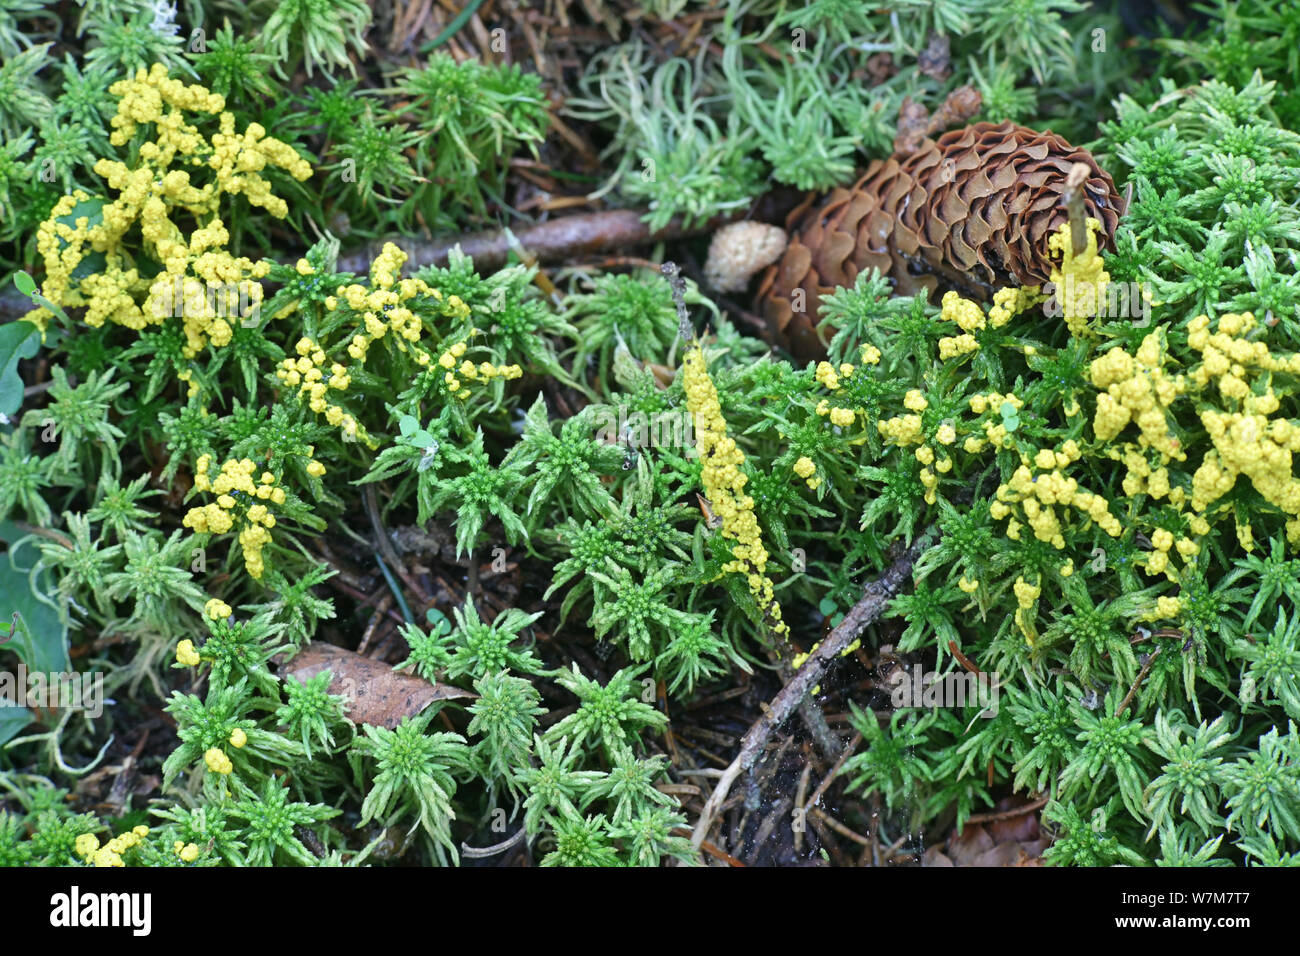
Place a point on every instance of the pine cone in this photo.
(973, 209)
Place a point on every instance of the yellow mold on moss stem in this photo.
(724, 485)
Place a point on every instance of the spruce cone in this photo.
(973, 208)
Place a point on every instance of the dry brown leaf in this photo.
(376, 693)
(1012, 841)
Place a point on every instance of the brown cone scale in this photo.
(971, 210)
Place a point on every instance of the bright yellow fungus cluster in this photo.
(1247, 441)
(173, 194)
(1026, 597)
(307, 374)
(1039, 487)
(186, 655)
(806, 470)
(902, 429)
(970, 318)
(188, 852)
(724, 484)
(110, 854)
(1166, 608)
(1134, 424)
(801, 658)
(1080, 281)
(967, 315)
(1040, 495)
(832, 379)
(383, 306)
(240, 500)
(217, 761)
(458, 375)
(935, 460)
(1236, 402)
(217, 609)
(995, 431)
(955, 346)
(1008, 303)
(906, 429)
(1136, 388)
(385, 311)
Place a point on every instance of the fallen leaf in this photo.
(376, 693)
(1012, 841)
(1022, 828)
(966, 848)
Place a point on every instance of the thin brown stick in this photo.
(50, 533)
(378, 615)
(582, 234)
(851, 746)
(386, 550)
(894, 847)
(869, 607)
(764, 831)
(832, 848)
(963, 660)
(873, 826)
(717, 854)
(840, 828)
(1007, 814)
(712, 850)
(1137, 681)
(622, 262)
(801, 805)
(360, 596)
(719, 698)
(1073, 198)
(670, 742)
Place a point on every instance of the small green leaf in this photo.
(25, 283)
(18, 340)
(40, 638)
(12, 721)
(40, 633)
(27, 286)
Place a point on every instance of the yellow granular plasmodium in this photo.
(724, 485)
(177, 176)
(1081, 280)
